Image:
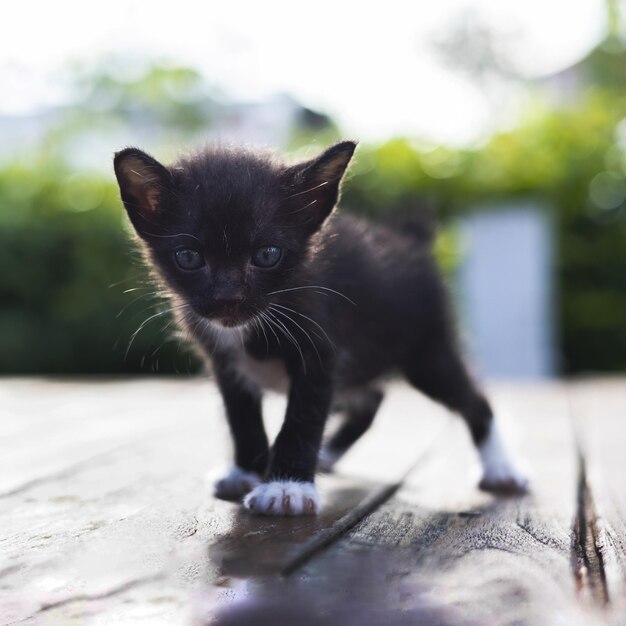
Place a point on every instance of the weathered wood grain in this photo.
(441, 545)
(106, 516)
(599, 407)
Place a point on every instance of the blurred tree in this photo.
(571, 160)
(63, 239)
(470, 45)
(71, 277)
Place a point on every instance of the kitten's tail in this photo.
(417, 222)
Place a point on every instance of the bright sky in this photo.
(369, 64)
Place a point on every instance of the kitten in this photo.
(281, 290)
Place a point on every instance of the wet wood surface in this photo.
(107, 515)
(474, 558)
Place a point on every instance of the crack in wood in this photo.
(530, 533)
(327, 537)
(90, 597)
(66, 472)
(587, 556)
(75, 468)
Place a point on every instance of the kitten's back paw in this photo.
(499, 473)
(505, 484)
(236, 484)
(283, 497)
(327, 459)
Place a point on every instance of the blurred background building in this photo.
(507, 122)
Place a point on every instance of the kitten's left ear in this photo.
(315, 184)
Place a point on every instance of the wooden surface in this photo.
(599, 410)
(106, 514)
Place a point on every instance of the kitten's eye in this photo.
(267, 256)
(188, 259)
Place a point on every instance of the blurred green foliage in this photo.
(66, 264)
(74, 290)
(570, 160)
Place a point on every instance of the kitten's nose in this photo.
(227, 309)
(227, 297)
(227, 290)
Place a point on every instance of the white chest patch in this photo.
(268, 374)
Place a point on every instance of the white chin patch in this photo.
(283, 497)
(327, 459)
(236, 484)
(499, 473)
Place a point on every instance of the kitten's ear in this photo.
(315, 184)
(143, 181)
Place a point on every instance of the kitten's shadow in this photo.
(257, 545)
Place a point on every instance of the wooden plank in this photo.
(51, 428)
(443, 547)
(129, 531)
(599, 406)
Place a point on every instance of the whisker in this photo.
(258, 324)
(302, 329)
(147, 321)
(302, 209)
(293, 195)
(289, 336)
(124, 308)
(272, 293)
(166, 338)
(176, 235)
(125, 280)
(266, 318)
(135, 289)
(308, 318)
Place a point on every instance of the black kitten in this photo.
(281, 291)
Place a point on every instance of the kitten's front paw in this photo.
(236, 484)
(284, 497)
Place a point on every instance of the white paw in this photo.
(499, 473)
(284, 497)
(235, 484)
(327, 459)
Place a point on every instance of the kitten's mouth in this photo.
(226, 317)
(230, 321)
(230, 318)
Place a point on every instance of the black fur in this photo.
(348, 302)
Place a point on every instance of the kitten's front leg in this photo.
(243, 411)
(289, 488)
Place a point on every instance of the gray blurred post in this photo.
(506, 292)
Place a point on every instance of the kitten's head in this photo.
(227, 227)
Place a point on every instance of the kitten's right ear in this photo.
(143, 181)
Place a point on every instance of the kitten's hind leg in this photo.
(359, 408)
(441, 374)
